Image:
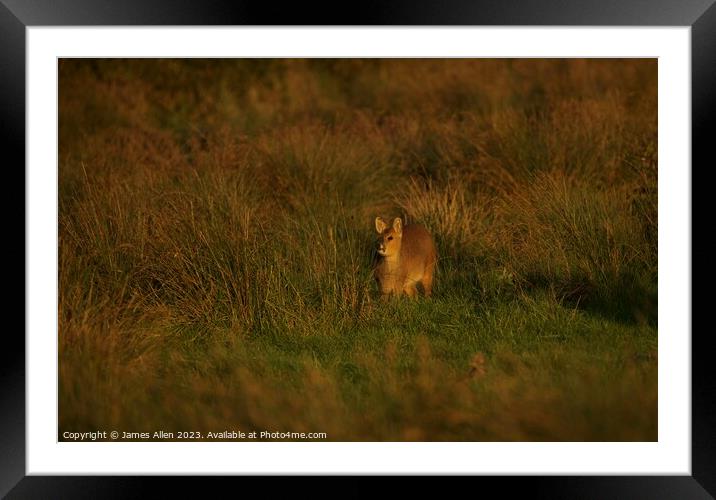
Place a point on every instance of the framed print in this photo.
(347, 247)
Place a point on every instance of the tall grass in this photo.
(216, 239)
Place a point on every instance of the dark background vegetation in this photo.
(216, 231)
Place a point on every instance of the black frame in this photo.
(16, 15)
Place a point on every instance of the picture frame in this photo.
(17, 15)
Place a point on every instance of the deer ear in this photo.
(398, 225)
(380, 225)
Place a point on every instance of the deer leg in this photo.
(410, 289)
(427, 279)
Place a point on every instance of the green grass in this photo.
(216, 237)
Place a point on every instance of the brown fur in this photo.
(406, 257)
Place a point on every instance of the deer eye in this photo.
(390, 238)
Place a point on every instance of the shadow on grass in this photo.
(629, 299)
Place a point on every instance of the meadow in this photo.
(216, 238)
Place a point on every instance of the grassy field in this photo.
(216, 237)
